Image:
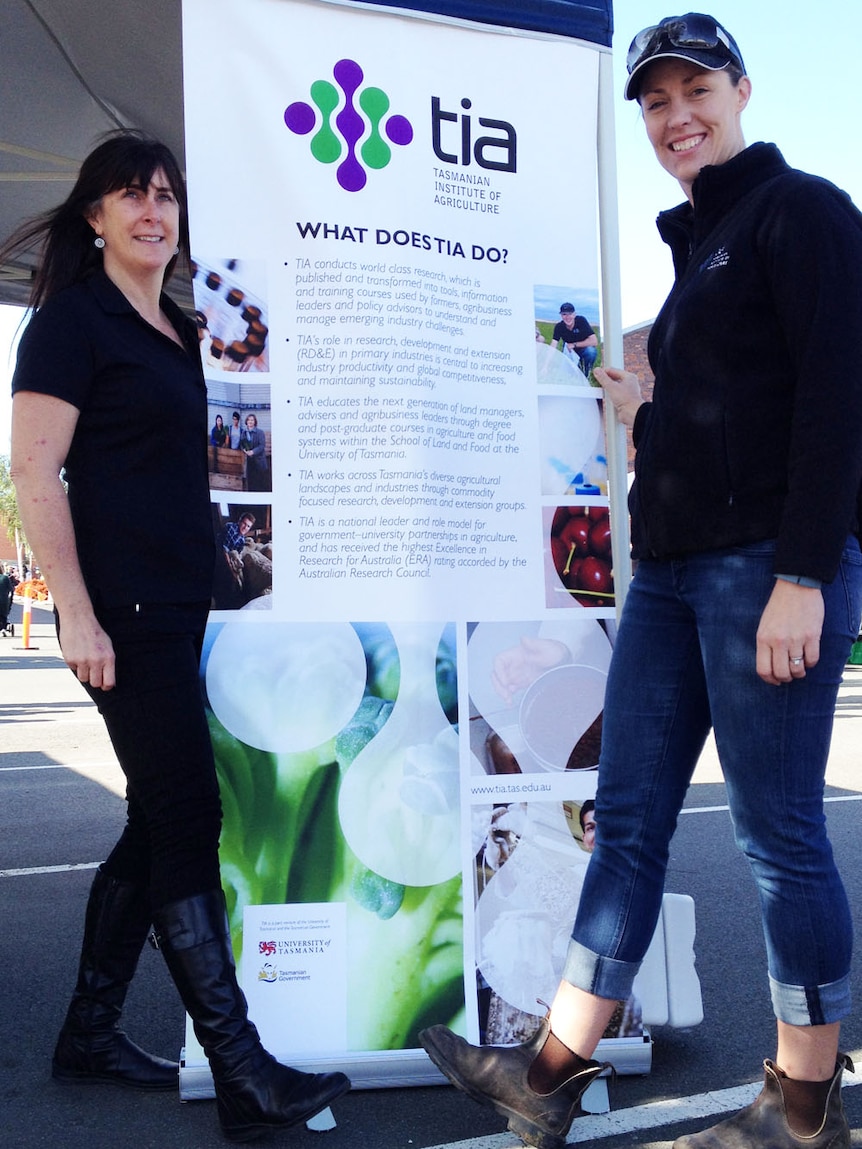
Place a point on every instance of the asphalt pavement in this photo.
(61, 809)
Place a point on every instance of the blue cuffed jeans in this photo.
(684, 661)
(587, 357)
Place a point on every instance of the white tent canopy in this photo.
(70, 70)
(73, 69)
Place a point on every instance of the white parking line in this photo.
(49, 869)
(641, 1118)
(714, 809)
(106, 774)
(106, 765)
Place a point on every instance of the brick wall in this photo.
(635, 353)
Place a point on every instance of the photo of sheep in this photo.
(243, 570)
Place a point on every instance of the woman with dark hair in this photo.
(218, 434)
(104, 354)
(746, 513)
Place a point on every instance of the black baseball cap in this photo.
(695, 36)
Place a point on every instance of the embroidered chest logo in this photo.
(720, 258)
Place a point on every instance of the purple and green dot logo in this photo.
(326, 146)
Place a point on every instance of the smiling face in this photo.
(140, 227)
(692, 117)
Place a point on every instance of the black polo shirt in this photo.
(577, 334)
(136, 468)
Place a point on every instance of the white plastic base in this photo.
(403, 1067)
(667, 985)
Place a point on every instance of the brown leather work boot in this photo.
(496, 1075)
(763, 1124)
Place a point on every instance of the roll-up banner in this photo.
(397, 282)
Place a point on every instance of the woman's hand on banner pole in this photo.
(623, 388)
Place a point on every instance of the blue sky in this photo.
(804, 63)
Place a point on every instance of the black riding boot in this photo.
(254, 1092)
(91, 1047)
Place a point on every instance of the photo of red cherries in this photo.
(581, 551)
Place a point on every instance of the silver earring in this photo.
(176, 251)
(99, 242)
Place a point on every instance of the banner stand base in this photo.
(399, 1068)
(387, 1069)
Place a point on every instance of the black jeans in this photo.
(157, 723)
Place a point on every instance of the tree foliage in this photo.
(10, 518)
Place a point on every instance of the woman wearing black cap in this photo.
(744, 605)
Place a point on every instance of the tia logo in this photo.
(482, 151)
(326, 147)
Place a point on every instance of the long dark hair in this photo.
(64, 238)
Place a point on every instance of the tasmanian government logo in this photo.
(332, 139)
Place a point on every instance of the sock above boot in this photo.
(804, 1103)
(554, 1064)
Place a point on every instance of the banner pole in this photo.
(612, 328)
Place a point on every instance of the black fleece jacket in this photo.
(755, 428)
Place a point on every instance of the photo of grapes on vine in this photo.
(336, 747)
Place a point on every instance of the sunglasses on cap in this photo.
(694, 31)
